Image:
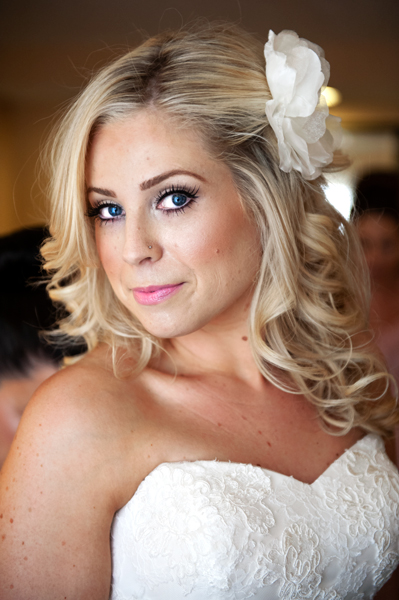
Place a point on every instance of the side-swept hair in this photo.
(308, 321)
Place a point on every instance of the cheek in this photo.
(109, 250)
(225, 243)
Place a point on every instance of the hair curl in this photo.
(310, 304)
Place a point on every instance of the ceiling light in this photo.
(332, 96)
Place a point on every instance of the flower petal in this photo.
(307, 135)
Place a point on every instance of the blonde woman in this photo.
(222, 437)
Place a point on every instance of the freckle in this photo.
(37, 455)
(7, 488)
(63, 543)
(11, 520)
(41, 465)
(73, 565)
(11, 587)
(260, 433)
(219, 424)
(3, 537)
(25, 558)
(1, 516)
(23, 544)
(13, 480)
(29, 509)
(19, 454)
(269, 444)
(244, 338)
(151, 444)
(17, 447)
(40, 424)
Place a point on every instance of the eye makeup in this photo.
(172, 200)
(178, 197)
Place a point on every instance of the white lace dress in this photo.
(223, 531)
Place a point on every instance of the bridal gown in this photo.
(223, 531)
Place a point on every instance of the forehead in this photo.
(377, 225)
(142, 146)
(147, 131)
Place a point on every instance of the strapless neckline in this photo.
(219, 530)
(265, 469)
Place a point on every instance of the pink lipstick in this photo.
(154, 294)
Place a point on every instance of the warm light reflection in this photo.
(340, 195)
(332, 96)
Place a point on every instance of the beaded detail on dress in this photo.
(223, 531)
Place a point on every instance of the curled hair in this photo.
(308, 320)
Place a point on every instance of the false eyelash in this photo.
(93, 212)
(190, 192)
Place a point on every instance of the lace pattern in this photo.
(225, 531)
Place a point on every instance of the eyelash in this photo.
(191, 193)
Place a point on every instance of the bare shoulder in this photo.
(59, 488)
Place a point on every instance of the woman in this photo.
(222, 300)
(376, 217)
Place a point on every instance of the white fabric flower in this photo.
(307, 135)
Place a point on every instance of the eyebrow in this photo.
(149, 183)
(101, 191)
(159, 178)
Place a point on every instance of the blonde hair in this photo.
(311, 301)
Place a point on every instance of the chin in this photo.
(167, 326)
(169, 331)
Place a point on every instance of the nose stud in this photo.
(150, 247)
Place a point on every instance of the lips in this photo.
(154, 294)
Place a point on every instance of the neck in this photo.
(221, 347)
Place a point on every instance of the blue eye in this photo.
(114, 211)
(106, 212)
(179, 199)
(176, 200)
(110, 211)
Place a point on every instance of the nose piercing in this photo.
(150, 247)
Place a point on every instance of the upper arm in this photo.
(55, 507)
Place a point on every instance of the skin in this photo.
(14, 395)
(379, 235)
(203, 400)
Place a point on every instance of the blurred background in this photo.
(49, 48)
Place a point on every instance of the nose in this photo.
(140, 244)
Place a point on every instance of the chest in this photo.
(266, 428)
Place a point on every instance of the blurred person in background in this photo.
(26, 359)
(376, 215)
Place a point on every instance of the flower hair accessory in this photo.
(307, 135)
